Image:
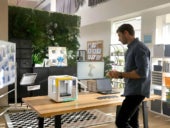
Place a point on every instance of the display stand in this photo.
(15, 93)
(8, 69)
(28, 80)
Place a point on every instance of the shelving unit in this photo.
(117, 57)
(160, 70)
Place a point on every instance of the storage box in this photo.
(156, 106)
(161, 50)
(157, 68)
(157, 92)
(92, 85)
(166, 108)
(62, 88)
(167, 82)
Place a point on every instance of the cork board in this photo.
(95, 50)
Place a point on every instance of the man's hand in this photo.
(113, 74)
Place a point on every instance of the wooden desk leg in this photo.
(58, 121)
(40, 122)
(145, 114)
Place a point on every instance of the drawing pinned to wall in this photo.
(91, 67)
(57, 56)
(7, 63)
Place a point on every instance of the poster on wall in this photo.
(95, 50)
(147, 38)
(7, 63)
(57, 56)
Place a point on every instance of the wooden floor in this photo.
(155, 120)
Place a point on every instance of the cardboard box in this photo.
(161, 50)
(92, 85)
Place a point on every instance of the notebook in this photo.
(104, 86)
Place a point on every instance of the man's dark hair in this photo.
(126, 27)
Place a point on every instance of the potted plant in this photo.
(168, 95)
(107, 64)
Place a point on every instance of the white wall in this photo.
(115, 8)
(100, 30)
(4, 36)
(149, 23)
(4, 20)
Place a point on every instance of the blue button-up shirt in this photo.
(137, 58)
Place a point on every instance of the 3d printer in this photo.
(62, 88)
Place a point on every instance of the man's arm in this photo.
(117, 75)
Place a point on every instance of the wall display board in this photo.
(57, 56)
(7, 69)
(7, 63)
(95, 50)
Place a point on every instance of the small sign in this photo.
(147, 39)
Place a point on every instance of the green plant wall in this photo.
(45, 29)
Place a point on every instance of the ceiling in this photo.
(38, 4)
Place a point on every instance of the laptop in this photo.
(104, 86)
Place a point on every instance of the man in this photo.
(136, 75)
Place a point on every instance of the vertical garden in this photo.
(45, 29)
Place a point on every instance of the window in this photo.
(116, 48)
(136, 22)
(163, 29)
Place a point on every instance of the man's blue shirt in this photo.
(137, 57)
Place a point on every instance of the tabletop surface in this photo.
(45, 107)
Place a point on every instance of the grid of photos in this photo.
(95, 50)
(7, 63)
(57, 56)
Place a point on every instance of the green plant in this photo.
(107, 64)
(45, 29)
(168, 95)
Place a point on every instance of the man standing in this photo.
(137, 77)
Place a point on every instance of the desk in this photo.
(45, 107)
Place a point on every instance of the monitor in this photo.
(90, 70)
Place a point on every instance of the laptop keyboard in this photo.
(108, 92)
(106, 97)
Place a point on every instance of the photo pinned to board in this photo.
(57, 56)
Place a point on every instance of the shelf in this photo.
(117, 56)
(160, 70)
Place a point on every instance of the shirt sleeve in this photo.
(142, 59)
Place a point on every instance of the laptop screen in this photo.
(103, 85)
